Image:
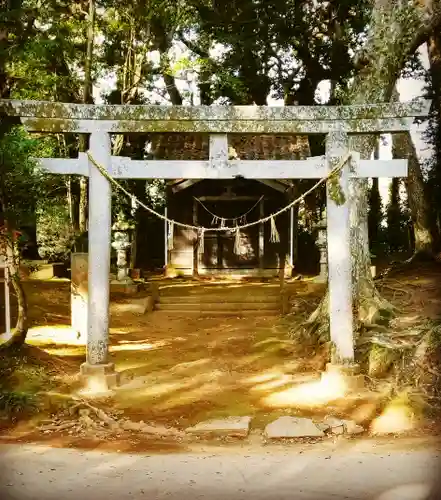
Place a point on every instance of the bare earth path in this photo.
(362, 471)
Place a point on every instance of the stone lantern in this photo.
(121, 243)
(322, 245)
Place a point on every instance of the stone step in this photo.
(212, 314)
(214, 299)
(217, 306)
(217, 290)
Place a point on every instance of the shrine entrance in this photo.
(218, 253)
(335, 169)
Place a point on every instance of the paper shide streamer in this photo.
(237, 241)
(201, 239)
(274, 237)
(170, 236)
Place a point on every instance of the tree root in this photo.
(374, 311)
(416, 258)
(85, 419)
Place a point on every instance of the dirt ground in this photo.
(178, 371)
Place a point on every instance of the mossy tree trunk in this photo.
(394, 217)
(8, 245)
(403, 147)
(394, 36)
(87, 99)
(434, 52)
(375, 215)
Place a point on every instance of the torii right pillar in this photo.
(339, 265)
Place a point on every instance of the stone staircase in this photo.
(238, 300)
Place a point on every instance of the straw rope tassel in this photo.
(171, 233)
(201, 240)
(237, 241)
(274, 238)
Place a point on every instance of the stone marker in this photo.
(231, 426)
(79, 294)
(292, 427)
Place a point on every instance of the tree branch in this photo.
(422, 36)
(193, 47)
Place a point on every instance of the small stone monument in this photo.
(121, 243)
(79, 293)
(322, 246)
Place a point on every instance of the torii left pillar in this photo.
(97, 372)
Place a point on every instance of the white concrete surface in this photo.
(356, 472)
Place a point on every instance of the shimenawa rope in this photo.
(216, 218)
(200, 229)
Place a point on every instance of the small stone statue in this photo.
(121, 243)
(322, 245)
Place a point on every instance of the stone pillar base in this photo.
(350, 374)
(99, 377)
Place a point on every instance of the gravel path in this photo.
(360, 471)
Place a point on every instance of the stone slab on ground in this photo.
(353, 428)
(335, 425)
(232, 427)
(292, 427)
(339, 426)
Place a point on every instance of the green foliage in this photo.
(55, 236)
(14, 403)
(21, 183)
(20, 383)
(397, 220)
(279, 48)
(335, 191)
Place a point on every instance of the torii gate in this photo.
(337, 122)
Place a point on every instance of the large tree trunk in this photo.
(374, 217)
(18, 335)
(375, 214)
(394, 31)
(403, 147)
(394, 217)
(434, 52)
(87, 99)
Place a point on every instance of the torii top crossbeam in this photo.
(59, 117)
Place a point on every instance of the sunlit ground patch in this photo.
(262, 378)
(132, 347)
(270, 385)
(396, 418)
(54, 334)
(329, 388)
(95, 386)
(414, 491)
(66, 352)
